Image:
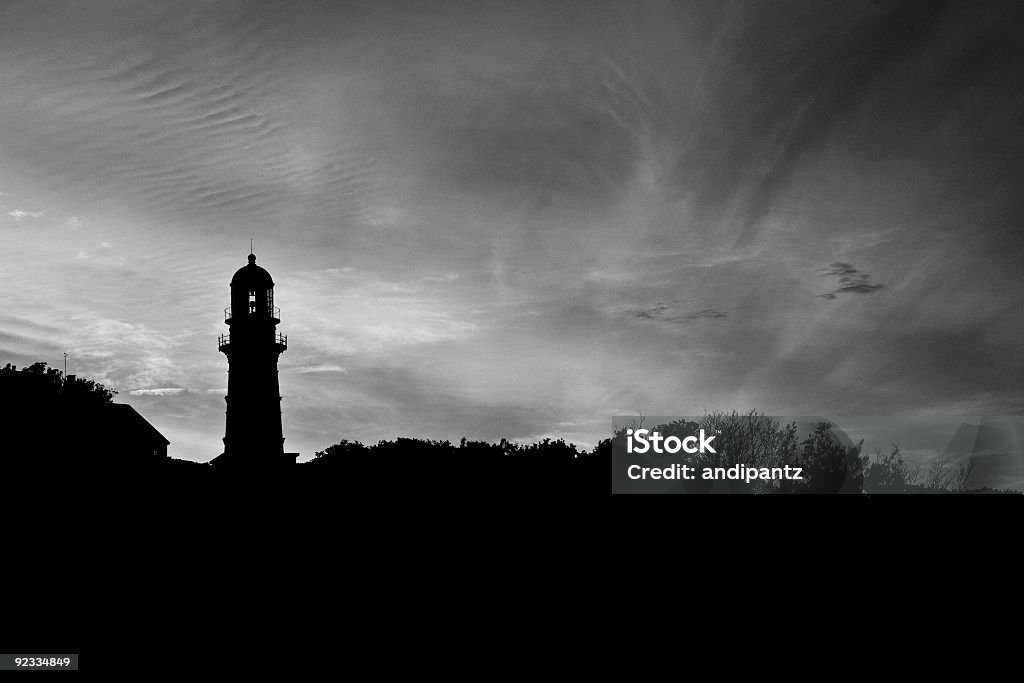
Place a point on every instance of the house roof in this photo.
(127, 421)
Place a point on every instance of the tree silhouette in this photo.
(44, 412)
(889, 472)
(38, 385)
(828, 466)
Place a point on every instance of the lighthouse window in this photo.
(252, 301)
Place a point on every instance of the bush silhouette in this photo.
(828, 465)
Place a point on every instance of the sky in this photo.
(518, 220)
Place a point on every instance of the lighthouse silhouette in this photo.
(253, 437)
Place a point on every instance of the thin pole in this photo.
(65, 364)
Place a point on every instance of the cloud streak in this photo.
(671, 313)
(850, 281)
(159, 391)
(19, 215)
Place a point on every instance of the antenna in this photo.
(65, 364)
(250, 245)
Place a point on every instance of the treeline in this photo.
(472, 467)
(38, 388)
(887, 472)
(46, 416)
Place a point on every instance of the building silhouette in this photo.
(125, 434)
(253, 435)
(55, 422)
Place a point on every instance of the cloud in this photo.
(707, 313)
(656, 312)
(449, 277)
(159, 391)
(666, 313)
(840, 268)
(19, 215)
(326, 367)
(122, 354)
(850, 280)
(348, 311)
(76, 222)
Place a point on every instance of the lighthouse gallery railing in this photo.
(224, 340)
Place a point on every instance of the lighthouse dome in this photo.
(252, 277)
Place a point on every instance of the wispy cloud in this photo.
(850, 281)
(355, 311)
(19, 215)
(159, 391)
(121, 353)
(324, 367)
(707, 313)
(672, 313)
(448, 277)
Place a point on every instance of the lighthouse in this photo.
(253, 436)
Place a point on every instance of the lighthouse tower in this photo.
(253, 433)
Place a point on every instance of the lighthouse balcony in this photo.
(280, 342)
(272, 313)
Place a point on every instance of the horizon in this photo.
(518, 220)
